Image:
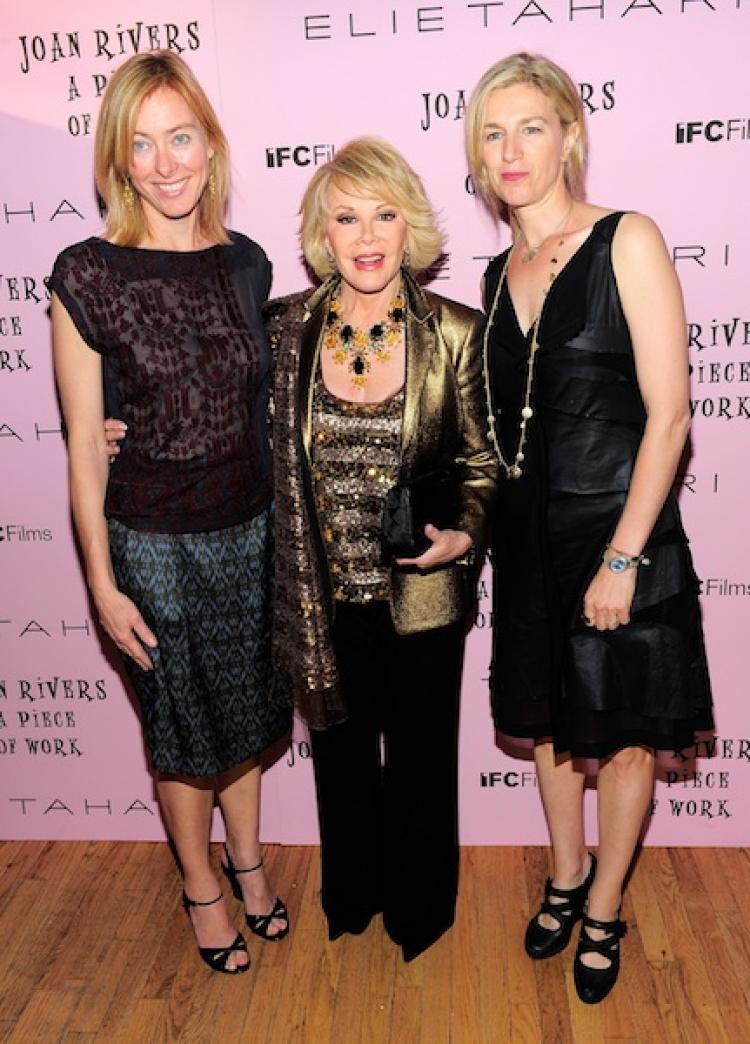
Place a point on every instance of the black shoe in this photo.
(593, 984)
(257, 923)
(541, 942)
(216, 957)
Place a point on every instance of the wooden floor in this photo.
(94, 947)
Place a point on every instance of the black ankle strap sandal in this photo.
(259, 924)
(216, 957)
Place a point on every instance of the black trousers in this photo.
(386, 779)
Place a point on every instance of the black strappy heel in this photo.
(216, 957)
(257, 923)
(593, 984)
(541, 942)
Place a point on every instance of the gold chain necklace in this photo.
(355, 348)
(530, 252)
(514, 470)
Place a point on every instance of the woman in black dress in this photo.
(598, 650)
(159, 321)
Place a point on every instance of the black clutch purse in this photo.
(410, 505)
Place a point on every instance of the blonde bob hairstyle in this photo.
(371, 168)
(552, 81)
(134, 81)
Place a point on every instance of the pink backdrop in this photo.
(666, 94)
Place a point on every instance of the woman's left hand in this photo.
(446, 546)
(607, 602)
(114, 431)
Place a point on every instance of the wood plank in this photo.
(45, 1016)
(439, 1022)
(377, 991)
(356, 953)
(690, 990)
(463, 940)
(97, 948)
(490, 948)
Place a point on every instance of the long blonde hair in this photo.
(129, 86)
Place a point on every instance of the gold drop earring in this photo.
(128, 196)
(211, 179)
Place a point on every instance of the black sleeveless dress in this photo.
(593, 692)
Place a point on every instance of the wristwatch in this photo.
(619, 561)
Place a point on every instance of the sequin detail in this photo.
(355, 460)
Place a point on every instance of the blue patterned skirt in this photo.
(208, 705)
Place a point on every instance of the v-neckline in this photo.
(578, 250)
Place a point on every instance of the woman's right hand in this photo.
(114, 431)
(126, 627)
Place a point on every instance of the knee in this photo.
(630, 761)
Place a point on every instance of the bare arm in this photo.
(79, 378)
(652, 302)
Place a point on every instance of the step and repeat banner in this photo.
(664, 87)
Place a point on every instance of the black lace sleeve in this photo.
(80, 280)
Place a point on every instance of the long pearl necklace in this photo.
(514, 470)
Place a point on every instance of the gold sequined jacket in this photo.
(444, 421)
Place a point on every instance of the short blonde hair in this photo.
(370, 167)
(552, 81)
(134, 81)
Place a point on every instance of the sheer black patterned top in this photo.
(186, 366)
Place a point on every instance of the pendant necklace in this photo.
(515, 470)
(356, 348)
(530, 252)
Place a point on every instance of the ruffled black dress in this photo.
(593, 692)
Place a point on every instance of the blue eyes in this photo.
(529, 130)
(140, 145)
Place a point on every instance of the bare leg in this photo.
(239, 797)
(625, 786)
(186, 805)
(561, 789)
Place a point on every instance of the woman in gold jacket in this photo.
(376, 381)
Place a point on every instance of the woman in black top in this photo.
(598, 650)
(159, 322)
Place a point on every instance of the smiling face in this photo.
(169, 166)
(524, 145)
(367, 237)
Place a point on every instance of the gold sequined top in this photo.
(355, 459)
